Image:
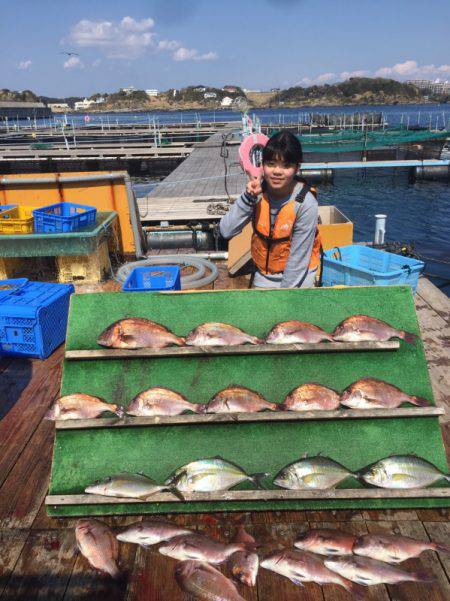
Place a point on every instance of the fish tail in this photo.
(273, 407)
(51, 414)
(200, 407)
(282, 407)
(440, 548)
(422, 576)
(258, 478)
(408, 337)
(174, 490)
(181, 341)
(419, 401)
(120, 411)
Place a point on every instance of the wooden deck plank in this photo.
(29, 402)
(11, 544)
(440, 533)
(43, 568)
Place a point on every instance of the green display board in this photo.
(82, 456)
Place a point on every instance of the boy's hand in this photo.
(254, 187)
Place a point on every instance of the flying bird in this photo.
(69, 53)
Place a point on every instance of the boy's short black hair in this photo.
(283, 146)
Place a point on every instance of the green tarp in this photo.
(82, 456)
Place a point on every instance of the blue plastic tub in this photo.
(153, 279)
(33, 317)
(63, 217)
(357, 265)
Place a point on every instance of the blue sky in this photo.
(257, 44)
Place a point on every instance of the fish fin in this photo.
(447, 477)
(441, 548)
(422, 576)
(409, 337)
(419, 401)
(296, 581)
(354, 589)
(258, 478)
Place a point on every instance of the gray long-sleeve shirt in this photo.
(302, 241)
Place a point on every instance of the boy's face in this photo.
(279, 174)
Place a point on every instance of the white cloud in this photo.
(326, 77)
(24, 65)
(168, 45)
(185, 54)
(411, 69)
(127, 38)
(347, 74)
(73, 62)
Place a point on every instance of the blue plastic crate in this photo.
(154, 278)
(6, 207)
(63, 217)
(357, 265)
(33, 317)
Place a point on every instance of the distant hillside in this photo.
(11, 96)
(356, 90)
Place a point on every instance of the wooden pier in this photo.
(38, 556)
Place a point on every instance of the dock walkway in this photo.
(203, 178)
(38, 556)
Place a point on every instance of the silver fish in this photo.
(137, 332)
(369, 572)
(237, 399)
(136, 486)
(206, 475)
(81, 406)
(370, 393)
(98, 544)
(160, 401)
(311, 396)
(149, 533)
(290, 332)
(393, 548)
(205, 583)
(402, 471)
(326, 541)
(200, 548)
(317, 473)
(244, 565)
(219, 334)
(363, 327)
(301, 566)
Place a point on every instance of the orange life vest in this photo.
(271, 246)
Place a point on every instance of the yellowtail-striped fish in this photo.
(402, 471)
(317, 473)
(207, 475)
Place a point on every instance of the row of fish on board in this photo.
(366, 393)
(216, 474)
(323, 556)
(137, 332)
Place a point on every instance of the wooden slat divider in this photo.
(256, 495)
(250, 349)
(232, 418)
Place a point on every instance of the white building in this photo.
(151, 93)
(209, 95)
(83, 104)
(59, 107)
(100, 99)
(227, 101)
(435, 87)
(128, 91)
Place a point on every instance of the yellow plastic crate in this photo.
(17, 221)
